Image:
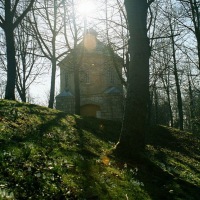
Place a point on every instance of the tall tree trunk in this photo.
(135, 121)
(53, 57)
(8, 24)
(53, 78)
(21, 81)
(178, 90)
(192, 116)
(195, 16)
(22, 92)
(11, 65)
(170, 108)
(166, 87)
(76, 85)
(10, 51)
(156, 105)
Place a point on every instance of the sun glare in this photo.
(86, 7)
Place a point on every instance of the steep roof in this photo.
(112, 90)
(100, 49)
(65, 93)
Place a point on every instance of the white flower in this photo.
(50, 167)
(38, 174)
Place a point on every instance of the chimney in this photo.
(91, 31)
(90, 39)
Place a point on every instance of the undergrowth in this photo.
(46, 154)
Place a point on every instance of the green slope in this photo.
(46, 154)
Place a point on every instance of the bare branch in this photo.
(2, 22)
(150, 2)
(161, 37)
(15, 7)
(19, 19)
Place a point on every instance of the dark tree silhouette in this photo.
(10, 18)
(135, 120)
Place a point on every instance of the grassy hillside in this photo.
(45, 154)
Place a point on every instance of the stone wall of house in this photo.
(65, 104)
(97, 73)
(112, 107)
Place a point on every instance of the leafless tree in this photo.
(191, 10)
(11, 15)
(27, 56)
(47, 27)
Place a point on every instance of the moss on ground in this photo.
(46, 154)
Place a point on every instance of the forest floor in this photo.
(46, 154)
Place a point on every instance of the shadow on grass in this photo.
(30, 130)
(105, 130)
(175, 140)
(89, 168)
(159, 183)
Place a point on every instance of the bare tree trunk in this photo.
(156, 105)
(53, 57)
(11, 62)
(10, 51)
(195, 15)
(191, 105)
(76, 66)
(77, 88)
(166, 87)
(178, 90)
(53, 79)
(8, 23)
(192, 11)
(135, 121)
(169, 105)
(22, 93)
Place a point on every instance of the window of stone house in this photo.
(85, 77)
(84, 66)
(67, 76)
(110, 74)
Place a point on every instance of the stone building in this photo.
(101, 90)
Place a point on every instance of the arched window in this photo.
(110, 74)
(85, 77)
(67, 77)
